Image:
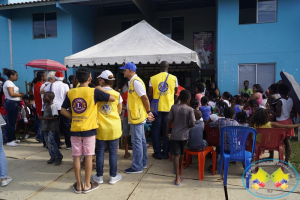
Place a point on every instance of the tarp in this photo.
(139, 44)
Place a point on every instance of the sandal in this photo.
(210, 168)
(127, 156)
(75, 188)
(94, 186)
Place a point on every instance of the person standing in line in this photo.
(167, 94)
(41, 78)
(60, 90)
(110, 129)
(246, 88)
(11, 105)
(138, 111)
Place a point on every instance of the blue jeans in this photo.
(139, 147)
(100, 150)
(12, 109)
(160, 123)
(3, 162)
(50, 142)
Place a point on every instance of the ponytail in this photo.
(9, 72)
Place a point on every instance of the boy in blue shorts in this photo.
(82, 102)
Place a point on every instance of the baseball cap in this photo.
(108, 75)
(130, 66)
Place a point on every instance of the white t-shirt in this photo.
(286, 109)
(60, 90)
(7, 84)
(109, 88)
(176, 82)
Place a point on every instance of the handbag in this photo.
(154, 102)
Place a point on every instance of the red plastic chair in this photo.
(272, 139)
(201, 160)
(212, 135)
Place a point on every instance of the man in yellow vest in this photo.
(138, 111)
(157, 87)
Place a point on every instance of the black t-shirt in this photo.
(98, 96)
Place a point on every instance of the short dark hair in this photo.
(245, 95)
(194, 103)
(246, 81)
(204, 100)
(229, 112)
(164, 65)
(9, 72)
(253, 102)
(184, 96)
(40, 75)
(227, 95)
(274, 87)
(258, 88)
(210, 97)
(92, 85)
(283, 89)
(239, 101)
(241, 117)
(200, 87)
(50, 94)
(82, 75)
(71, 78)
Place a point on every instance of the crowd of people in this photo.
(93, 119)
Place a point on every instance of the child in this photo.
(261, 119)
(235, 106)
(211, 102)
(199, 92)
(196, 142)
(50, 128)
(205, 109)
(82, 101)
(226, 98)
(246, 89)
(284, 109)
(241, 118)
(184, 118)
(219, 109)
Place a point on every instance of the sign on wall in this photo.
(204, 46)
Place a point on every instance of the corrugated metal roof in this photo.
(22, 3)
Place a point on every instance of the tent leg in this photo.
(66, 75)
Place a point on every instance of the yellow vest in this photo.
(136, 110)
(110, 127)
(84, 110)
(166, 99)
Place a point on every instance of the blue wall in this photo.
(256, 43)
(4, 44)
(75, 32)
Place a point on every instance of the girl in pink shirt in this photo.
(199, 93)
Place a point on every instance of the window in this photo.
(172, 27)
(263, 74)
(44, 25)
(127, 24)
(257, 11)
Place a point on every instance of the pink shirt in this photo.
(198, 97)
(259, 100)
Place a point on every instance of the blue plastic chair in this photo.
(233, 143)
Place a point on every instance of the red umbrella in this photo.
(46, 64)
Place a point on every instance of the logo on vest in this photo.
(105, 108)
(163, 87)
(130, 91)
(79, 105)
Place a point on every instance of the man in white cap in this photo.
(138, 111)
(60, 90)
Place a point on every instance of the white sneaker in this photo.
(6, 182)
(12, 144)
(115, 179)
(26, 136)
(17, 141)
(25, 120)
(145, 167)
(98, 179)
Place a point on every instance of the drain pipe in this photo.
(10, 44)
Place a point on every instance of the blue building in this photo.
(253, 39)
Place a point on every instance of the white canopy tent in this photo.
(140, 44)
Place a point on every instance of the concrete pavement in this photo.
(34, 179)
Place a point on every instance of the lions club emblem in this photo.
(105, 108)
(163, 87)
(79, 105)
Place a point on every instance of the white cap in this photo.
(108, 75)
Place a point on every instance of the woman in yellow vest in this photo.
(109, 130)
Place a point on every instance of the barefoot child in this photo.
(50, 128)
(82, 102)
(183, 119)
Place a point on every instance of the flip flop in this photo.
(128, 156)
(181, 179)
(75, 188)
(94, 186)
